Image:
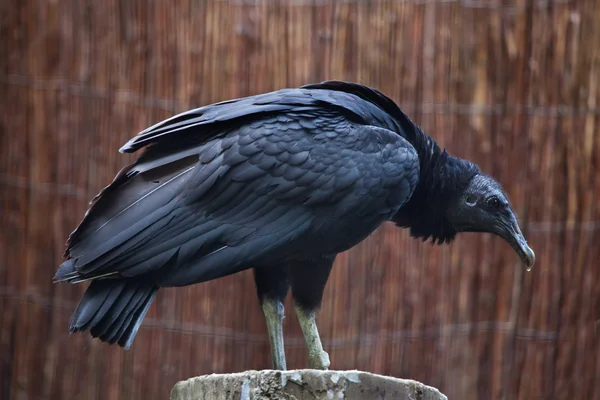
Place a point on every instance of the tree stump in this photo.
(305, 384)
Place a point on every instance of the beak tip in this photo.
(528, 257)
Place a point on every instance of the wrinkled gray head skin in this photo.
(484, 207)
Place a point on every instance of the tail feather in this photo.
(111, 333)
(95, 311)
(133, 326)
(113, 310)
(125, 320)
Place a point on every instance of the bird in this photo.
(279, 183)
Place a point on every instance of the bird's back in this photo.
(356, 102)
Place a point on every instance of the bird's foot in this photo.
(319, 360)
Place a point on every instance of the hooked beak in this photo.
(509, 230)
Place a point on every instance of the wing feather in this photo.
(256, 191)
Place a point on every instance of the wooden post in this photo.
(303, 384)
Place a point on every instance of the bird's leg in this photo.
(272, 286)
(317, 357)
(273, 310)
(308, 279)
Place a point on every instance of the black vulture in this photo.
(279, 182)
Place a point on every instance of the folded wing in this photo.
(204, 202)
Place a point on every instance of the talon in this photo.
(320, 361)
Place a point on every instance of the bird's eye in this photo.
(493, 202)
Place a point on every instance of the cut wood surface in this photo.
(305, 384)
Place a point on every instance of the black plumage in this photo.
(279, 182)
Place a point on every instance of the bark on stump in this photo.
(306, 384)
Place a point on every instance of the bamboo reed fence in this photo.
(510, 84)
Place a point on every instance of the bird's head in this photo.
(484, 207)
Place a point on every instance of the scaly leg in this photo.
(317, 357)
(308, 279)
(273, 310)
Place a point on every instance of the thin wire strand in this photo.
(479, 4)
(128, 97)
(446, 330)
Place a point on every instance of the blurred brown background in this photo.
(512, 85)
